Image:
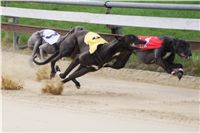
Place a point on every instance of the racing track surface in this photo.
(102, 104)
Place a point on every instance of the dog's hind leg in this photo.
(120, 62)
(42, 50)
(35, 51)
(53, 62)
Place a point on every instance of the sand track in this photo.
(106, 102)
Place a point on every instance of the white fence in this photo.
(108, 3)
(124, 20)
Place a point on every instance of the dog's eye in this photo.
(95, 37)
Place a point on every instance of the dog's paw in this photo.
(107, 65)
(57, 68)
(61, 75)
(179, 75)
(58, 72)
(78, 85)
(178, 72)
(52, 75)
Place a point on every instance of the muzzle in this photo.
(184, 56)
(138, 43)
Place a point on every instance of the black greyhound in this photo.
(72, 45)
(163, 55)
(104, 53)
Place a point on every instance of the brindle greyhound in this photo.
(163, 56)
(105, 53)
(35, 42)
(67, 48)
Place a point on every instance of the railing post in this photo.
(16, 36)
(115, 29)
(4, 3)
(14, 20)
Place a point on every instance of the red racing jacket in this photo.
(152, 42)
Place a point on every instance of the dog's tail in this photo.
(47, 60)
(23, 47)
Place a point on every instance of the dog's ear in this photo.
(39, 33)
(72, 30)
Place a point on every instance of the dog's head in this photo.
(129, 41)
(75, 29)
(182, 48)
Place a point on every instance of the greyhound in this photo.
(43, 44)
(67, 48)
(105, 53)
(163, 54)
(39, 46)
(73, 45)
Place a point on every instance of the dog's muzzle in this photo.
(185, 56)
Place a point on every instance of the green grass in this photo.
(192, 66)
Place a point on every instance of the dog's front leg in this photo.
(165, 64)
(79, 72)
(121, 61)
(72, 65)
(168, 67)
(58, 72)
(118, 64)
(177, 70)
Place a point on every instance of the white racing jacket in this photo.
(50, 36)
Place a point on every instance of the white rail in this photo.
(136, 21)
(120, 4)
